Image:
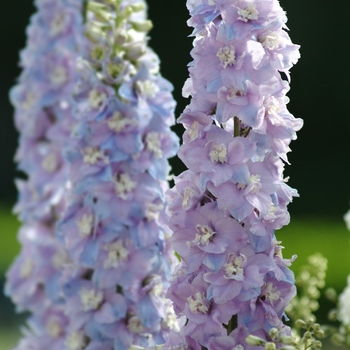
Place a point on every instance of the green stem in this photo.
(85, 7)
(236, 127)
(232, 324)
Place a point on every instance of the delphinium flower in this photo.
(115, 227)
(42, 116)
(224, 210)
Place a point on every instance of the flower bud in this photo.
(254, 340)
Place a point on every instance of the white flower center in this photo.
(248, 14)
(147, 88)
(123, 185)
(152, 211)
(98, 53)
(193, 130)
(118, 122)
(97, 98)
(58, 24)
(90, 299)
(197, 304)
(53, 328)
(27, 268)
(238, 347)
(60, 259)
(49, 163)
(234, 266)
(270, 41)
(117, 253)
(187, 196)
(218, 154)
(271, 292)
(58, 76)
(226, 56)
(135, 326)
(93, 155)
(255, 181)
(153, 144)
(29, 101)
(114, 69)
(85, 225)
(272, 105)
(75, 341)
(204, 235)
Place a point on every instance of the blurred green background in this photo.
(320, 158)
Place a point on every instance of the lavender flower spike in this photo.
(115, 228)
(43, 119)
(224, 210)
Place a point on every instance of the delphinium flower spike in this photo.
(42, 116)
(115, 228)
(233, 281)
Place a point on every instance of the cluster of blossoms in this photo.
(224, 210)
(42, 116)
(115, 228)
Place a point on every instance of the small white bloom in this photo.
(135, 326)
(197, 304)
(270, 41)
(147, 88)
(58, 24)
(234, 266)
(117, 253)
(344, 305)
(85, 225)
(248, 14)
(226, 56)
(75, 341)
(90, 299)
(204, 235)
(118, 122)
(53, 328)
(123, 185)
(92, 155)
(152, 211)
(50, 162)
(97, 98)
(58, 76)
(153, 144)
(218, 153)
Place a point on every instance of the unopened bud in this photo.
(138, 7)
(320, 333)
(333, 315)
(270, 346)
(316, 344)
(288, 340)
(144, 26)
(254, 340)
(331, 294)
(338, 339)
(273, 333)
(307, 335)
(300, 323)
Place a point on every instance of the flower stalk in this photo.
(115, 228)
(224, 210)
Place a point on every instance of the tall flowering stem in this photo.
(224, 210)
(43, 119)
(115, 228)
